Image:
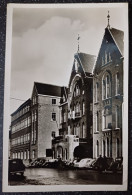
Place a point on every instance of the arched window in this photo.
(64, 115)
(117, 147)
(65, 154)
(77, 107)
(83, 108)
(22, 155)
(97, 149)
(96, 92)
(107, 118)
(103, 148)
(117, 84)
(74, 130)
(77, 90)
(108, 147)
(106, 86)
(25, 154)
(97, 122)
(13, 155)
(33, 154)
(77, 130)
(83, 131)
(117, 116)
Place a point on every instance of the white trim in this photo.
(49, 96)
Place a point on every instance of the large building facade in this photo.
(78, 121)
(20, 133)
(76, 125)
(108, 96)
(45, 118)
(35, 123)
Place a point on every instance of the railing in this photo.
(58, 139)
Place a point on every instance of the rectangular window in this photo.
(53, 101)
(54, 116)
(28, 136)
(22, 139)
(53, 134)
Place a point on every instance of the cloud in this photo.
(45, 41)
(44, 54)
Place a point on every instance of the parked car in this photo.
(37, 163)
(51, 163)
(84, 163)
(116, 165)
(102, 163)
(16, 166)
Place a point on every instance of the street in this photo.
(48, 176)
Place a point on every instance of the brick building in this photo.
(45, 102)
(108, 95)
(75, 131)
(35, 123)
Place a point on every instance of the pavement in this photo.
(47, 176)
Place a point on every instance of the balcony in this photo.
(58, 139)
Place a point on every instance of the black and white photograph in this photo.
(66, 98)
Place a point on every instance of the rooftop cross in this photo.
(78, 42)
(108, 16)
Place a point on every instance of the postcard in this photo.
(66, 98)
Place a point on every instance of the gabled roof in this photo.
(113, 40)
(118, 37)
(48, 89)
(87, 61)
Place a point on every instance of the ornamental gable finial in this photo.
(78, 42)
(108, 16)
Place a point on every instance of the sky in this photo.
(44, 41)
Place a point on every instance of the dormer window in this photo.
(106, 58)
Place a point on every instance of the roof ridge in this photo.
(116, 40)
(47, 84)
(116, 29)
(85, 54)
